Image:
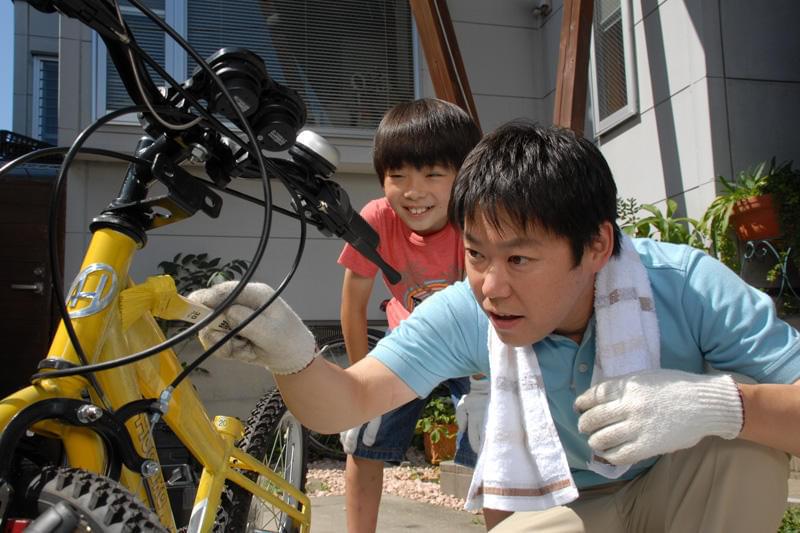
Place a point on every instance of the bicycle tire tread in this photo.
(95, 497)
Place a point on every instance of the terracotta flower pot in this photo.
(755, 218)
(444, 449)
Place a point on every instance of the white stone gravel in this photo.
(414, 479)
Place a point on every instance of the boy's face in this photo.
(420, 196)
(527, 283)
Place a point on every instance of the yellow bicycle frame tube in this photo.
(92, 302)
(212, 482)
(211, 444)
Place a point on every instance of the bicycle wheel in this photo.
(99, 503)
(274, 436)
(334, 350)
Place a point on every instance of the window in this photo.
(149, 37)
(350, 60)
(613, 69)
(45, 99)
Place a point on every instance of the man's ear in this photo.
(601, 246)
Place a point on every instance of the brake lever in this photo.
(332, 206)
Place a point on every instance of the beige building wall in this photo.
(35, 33)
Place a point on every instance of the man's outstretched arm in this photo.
(328, 399)
(321, 395)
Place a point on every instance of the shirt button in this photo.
(582, 368)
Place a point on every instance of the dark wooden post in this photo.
(442, 55)
(573, 65)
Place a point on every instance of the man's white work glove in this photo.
(277, 338)
(349, 438)
(645, 414)
(471, 412)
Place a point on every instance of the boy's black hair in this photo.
(423, 132)
(538, 177)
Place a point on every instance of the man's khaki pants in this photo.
(719, 485)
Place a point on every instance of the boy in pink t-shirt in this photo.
(419, 147)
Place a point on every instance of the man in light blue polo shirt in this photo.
(537, 208)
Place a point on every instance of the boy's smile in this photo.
(420, 196)
(419, 211)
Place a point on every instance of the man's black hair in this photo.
(423, 132)
(537, 176)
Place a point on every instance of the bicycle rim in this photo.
(286, 457)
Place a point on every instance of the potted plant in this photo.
(439, 429)
(762, 209)
(746, 207)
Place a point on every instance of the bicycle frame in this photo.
(93, 305)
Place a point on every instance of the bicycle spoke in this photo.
(281, 458)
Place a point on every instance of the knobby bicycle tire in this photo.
(101, 504)
(333, 349)
(275, 437)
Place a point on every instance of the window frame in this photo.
(176, 15)
(36, 86)
(631, 109)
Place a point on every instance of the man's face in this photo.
(527, 283)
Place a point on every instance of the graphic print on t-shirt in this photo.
(416, 295)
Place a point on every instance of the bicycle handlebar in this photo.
(273, 112)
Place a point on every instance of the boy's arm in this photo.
(356, 290)
(328, 399)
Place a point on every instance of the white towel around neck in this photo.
(522, 465)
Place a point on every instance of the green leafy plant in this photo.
(663, 226)
(752, 182)
(436, 418)
(628, 214)
(197, 271)
(791, 521)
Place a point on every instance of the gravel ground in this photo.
(415, 479)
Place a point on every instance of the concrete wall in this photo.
(35, 33)
(761, 70)
(510, 57)
(718, 92)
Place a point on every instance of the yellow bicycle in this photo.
(77, 450)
